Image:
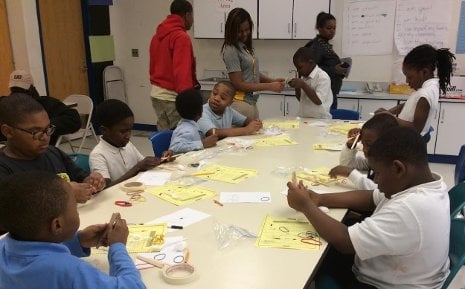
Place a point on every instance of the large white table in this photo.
(242, 265)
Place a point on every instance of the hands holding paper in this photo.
(116, 231)
(299, 197)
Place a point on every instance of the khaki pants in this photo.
(250, 111)
(167, 115)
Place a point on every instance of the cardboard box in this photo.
(400, 89)
(456, 89)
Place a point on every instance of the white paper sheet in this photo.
(171, 253)
(184, 217)
(152, 178)
(245, 197)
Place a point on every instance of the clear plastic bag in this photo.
(229, 235)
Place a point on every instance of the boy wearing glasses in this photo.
(26, 126)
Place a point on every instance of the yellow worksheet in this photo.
(282, 140)
(142, 239)
(226, 174)
(284, 124)
(345, 127)
(180, 194)
(288, 233)
(328, 146)
(318, 176)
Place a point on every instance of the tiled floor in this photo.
(140, 140)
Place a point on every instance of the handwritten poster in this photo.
(422, 21)
(368, 27)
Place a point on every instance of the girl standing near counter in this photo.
(242, 64)
(327, 59)
(418, 67)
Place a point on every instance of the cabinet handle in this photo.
(289, 28)
(442, 115)
(281, 107)
(287, 109)
(221, 27)
(295, 29)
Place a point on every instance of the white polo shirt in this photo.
(113, 162)
(405, 243)
(321, 83)
(430, 91)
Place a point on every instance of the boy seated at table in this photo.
(187, 137)
(42, 247)
(219, 119)
(313, 87)
(115, 157)
(410, 222)
(26, 126)
(350, 164)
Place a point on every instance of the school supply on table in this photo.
(318, 176)
(183, 217)
(174, 251)
(225, 174)
(284, 124)
(245, 197)
(328, 146)
(180, 195)
(154, 178)
(283, 140)
(344, 127)
(288, 233)
(111, 224)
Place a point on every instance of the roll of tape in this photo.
(133, 186)
(179, 274)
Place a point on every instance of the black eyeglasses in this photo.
(38, 134)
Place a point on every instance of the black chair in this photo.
(345, 114)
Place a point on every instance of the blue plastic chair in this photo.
(457, 199)
(459, 175)
(81, 160)
(456, 249)
(345, 114)
(160, 141)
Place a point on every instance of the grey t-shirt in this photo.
(240, 60)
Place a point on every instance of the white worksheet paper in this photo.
(168, 254)
(245, 197)
(183, 217)
(154, 178)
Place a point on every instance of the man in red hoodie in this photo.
(172, 63)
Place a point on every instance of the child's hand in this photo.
(82, 191)
(147, 163)
(96, 180)
(276, 86)
(254, 126)
(340, 171)
(90, 236)
(119, 232)
(210, 141)
(298, 197)
(352, 135)
(297, 83)
(340, 70)
(167, 156)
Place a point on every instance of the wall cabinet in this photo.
(365, 106)
(277, 105)
(449, 133)
(289, 19)
(210, 16)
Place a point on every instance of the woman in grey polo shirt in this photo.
(242, 63)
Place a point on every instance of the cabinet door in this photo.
(270, 105)
(450, 136)
(275, 19)
(291, 105)
(347, 103)
(304, 17)
(210, 16)
(367, 106)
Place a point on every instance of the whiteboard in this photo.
(422, 21)
(368, 27)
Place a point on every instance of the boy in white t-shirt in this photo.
(115, 157)
(314, 88)
(405, 242)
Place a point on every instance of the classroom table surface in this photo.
(241, 264)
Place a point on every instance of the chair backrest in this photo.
(459, 175)
(160, 141)
(345, 114)
(113, 83)
(81, 160)
(85, 106)
(456, 249)
(457, 199)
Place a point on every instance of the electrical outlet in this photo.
(135, 52)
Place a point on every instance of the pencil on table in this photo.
(202, 174)
(173, 156)
(186, 257)
(217, 202)
(355, 141)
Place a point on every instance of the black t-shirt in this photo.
(53, 160)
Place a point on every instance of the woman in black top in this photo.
(326, 58)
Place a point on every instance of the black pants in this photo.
(338, 268)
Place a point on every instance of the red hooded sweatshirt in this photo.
(172, 63)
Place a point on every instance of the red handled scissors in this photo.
(123, 203)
